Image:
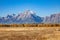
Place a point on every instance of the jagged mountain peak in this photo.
(29, 16)
(26, 14)
(29, 12)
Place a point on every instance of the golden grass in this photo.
(30, 33)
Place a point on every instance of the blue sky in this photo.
(41, 7)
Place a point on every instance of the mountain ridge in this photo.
(29, 17)
(26, 17)
(54, 18)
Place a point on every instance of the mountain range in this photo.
(29, 17)
(54, 18)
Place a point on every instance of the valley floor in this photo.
(29, 33)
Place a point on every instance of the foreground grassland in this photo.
(29, 33)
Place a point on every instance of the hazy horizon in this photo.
(40, 7)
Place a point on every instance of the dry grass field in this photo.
(29, 33)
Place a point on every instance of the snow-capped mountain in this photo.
(27, 16)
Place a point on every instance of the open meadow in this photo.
(29, 33)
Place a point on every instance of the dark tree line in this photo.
(29, 25)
